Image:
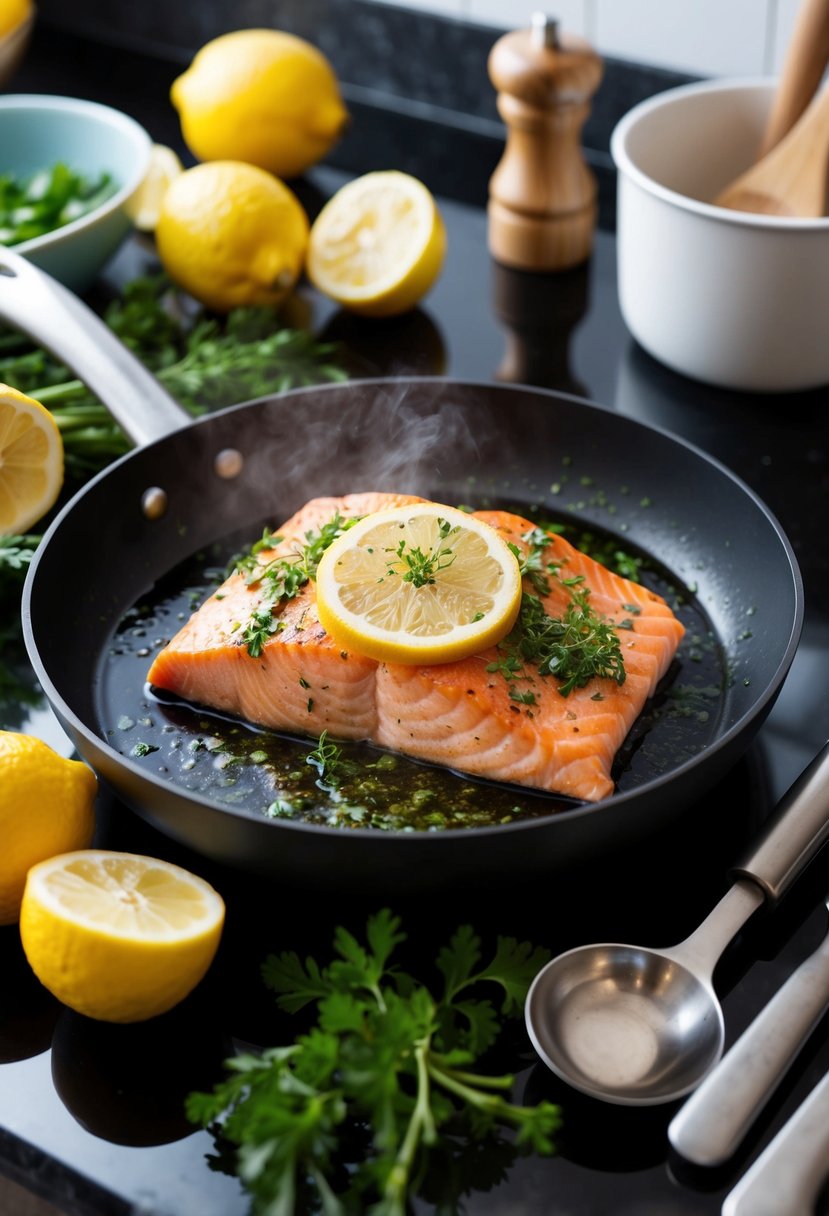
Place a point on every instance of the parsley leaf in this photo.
(347, 1117)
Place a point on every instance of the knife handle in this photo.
(788, 1174)
(710, 1126)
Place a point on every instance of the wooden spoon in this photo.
(791, 180)
(806, 58)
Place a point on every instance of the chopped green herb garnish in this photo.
(574, 648)
(283, 577)
(327, 758)
(49, 199)
(418, 567)
(143, 749)
(258, 629)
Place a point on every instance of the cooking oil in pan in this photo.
(356, 785)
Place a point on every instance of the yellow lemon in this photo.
(231, 234)
(262, 96)
(422, 583)
(12, 14)
(145, 205)
(31, 461)
(118, 936)
(378, 245)
(47, 805)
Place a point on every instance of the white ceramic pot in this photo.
(729, 298)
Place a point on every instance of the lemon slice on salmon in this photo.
(31, 461)
(423, 583)
(378, 244)
(118, 936)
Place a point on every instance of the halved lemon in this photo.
(31, 461)
(423, 583)
(378, 244)
(118, 936)
(144, 207)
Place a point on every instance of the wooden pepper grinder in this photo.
(542, 196)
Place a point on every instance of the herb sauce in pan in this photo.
(347, 784)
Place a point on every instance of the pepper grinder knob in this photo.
(542, 196)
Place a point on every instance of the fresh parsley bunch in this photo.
(389, 1067)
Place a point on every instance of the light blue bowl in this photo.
(37, 131)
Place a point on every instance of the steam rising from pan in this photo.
(396, 439)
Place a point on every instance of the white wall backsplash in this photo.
(702, 37)
(698, 37)
(784, 18)
(572, 15)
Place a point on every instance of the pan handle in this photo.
(34, 302)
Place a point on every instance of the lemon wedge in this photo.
(118, 936)
(144, 207)
(424, 583)
(378, 244)
(31, 461)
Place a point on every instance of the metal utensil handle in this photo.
(43, 308)
(787, 1176)
(799, 827)
(710, 1126)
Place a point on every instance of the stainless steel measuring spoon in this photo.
(637, 1026)
(712, 1123)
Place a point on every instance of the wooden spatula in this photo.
(791, 179)
(806, 58)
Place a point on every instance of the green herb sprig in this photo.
(418, 567)
(575, 648)
(205, 364)
(327, 758)
(17, 685)
(388, 1060)
(283, 577)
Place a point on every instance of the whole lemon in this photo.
(47, 806)
(261, 96)
(12, 14)
(232, 235)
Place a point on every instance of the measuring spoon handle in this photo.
(708, 1129)
(798, 829)
(787, 1176)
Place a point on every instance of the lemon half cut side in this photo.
(144, 207)
(423, 583)
(378, 245)
(118, 936)
(31, 461)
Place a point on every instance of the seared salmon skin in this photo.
(492, 715)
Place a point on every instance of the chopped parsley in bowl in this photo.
(68, 171)
(36, 205)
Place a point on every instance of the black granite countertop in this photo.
(90, 1115)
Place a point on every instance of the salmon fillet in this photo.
(463, 715)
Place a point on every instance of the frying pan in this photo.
(189, 483)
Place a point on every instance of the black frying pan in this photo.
(457, 442)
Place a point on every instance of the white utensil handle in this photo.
(787, 1176)
(710, 1126)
